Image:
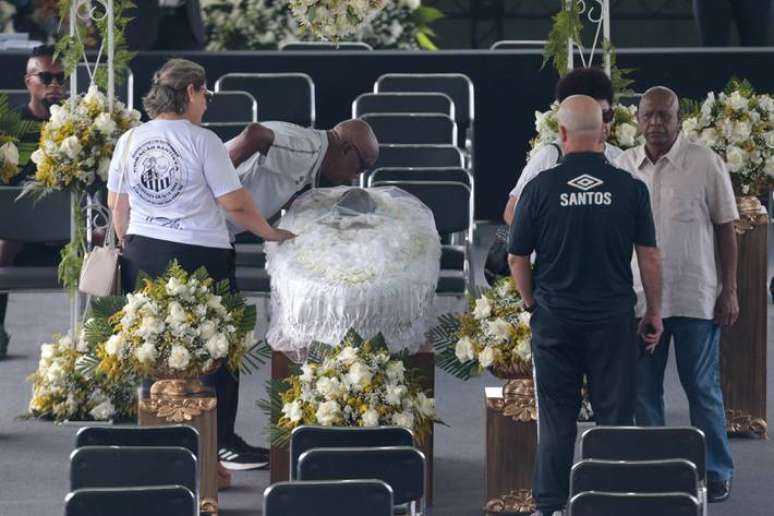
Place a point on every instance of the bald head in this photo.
(352, 149)
(359, 133)
(580, 124)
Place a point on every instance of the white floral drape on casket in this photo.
(364, 261)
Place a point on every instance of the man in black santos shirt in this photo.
(583, 219)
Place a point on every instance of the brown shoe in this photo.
(224, 478)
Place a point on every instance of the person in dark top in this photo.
(44, 79)
(583, 219)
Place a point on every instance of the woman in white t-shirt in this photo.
(581, 81)
(170, 182)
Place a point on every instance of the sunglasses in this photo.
(48, 77)
(608, 115)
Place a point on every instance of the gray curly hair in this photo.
(168, 90)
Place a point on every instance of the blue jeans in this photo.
(697, 351)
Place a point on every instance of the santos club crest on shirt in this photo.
(586, 182)
(157, 173)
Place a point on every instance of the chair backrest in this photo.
(451, 203)
(417, 128)
(401, 102)
(272, 91)
(401, 155)
(324, 45)
(634, 504)
(17, 98)
(651, 443)
(174, 500)
(653, 476)
(517, 44)
(28, 220)
(131, 435)
(230, 107)
(328, 498)
(304, 438)
(400, 467)
(124, 91)
(448, 174)
(226, 130)
(132, 466)
(456, 85)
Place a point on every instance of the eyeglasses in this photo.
(362, 163)
(48, 77)
(608, 115)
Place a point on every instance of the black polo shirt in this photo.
(583, 219)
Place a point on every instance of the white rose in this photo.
(347, 355)
(735, 158)
(175, 287)
(370, 418)
(425, 406)
(47, 351)
(214, 302)
(292, 411)
(104, 123)
(395, 393)
(200, 310)
(57, 115)
(146, 353)
(709, 136)
(524, 318)
(55, 374)
(396, 370)
(499, 328)
(66, 342)
(626, 134)
(179, 358)
(71, 147)
(483, 308)
(736, 101)
(464, 349)
(177, 314)
(766, 103)
(741, 131)
(150, 327)
(307, 373)
(486, 357)
(114, 345)
(207, 329)
(94, 95)
(359, 376)
(103, 411)
(769, 138)
(329, 388)
(327, 412)
(10, 153)
(38, 156)
(217, 346)
(404, 419)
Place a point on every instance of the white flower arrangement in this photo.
(62, 389)
(493, 334)
(738, 125)
(623, 131)
(77, 142)
(9, 160)
(178, 325)
(355, 384)
(333, 19)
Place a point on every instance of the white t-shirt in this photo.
(292, 162)
(546, 157)
(176, 170)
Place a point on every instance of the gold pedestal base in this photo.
(191, 403)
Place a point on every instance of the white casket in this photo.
(362, 259)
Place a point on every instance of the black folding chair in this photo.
(648, 443)
(124, 91)
(304, 438)
(133, 466)
(174, 500)
(46, 220)
(416, 156)
(634, 504)
(324, 45)
(231, 107)
(400, 467)
(517, 44)
(402, 102)
(272, 91)
(452, 174)
(328, 498)
(652, 476)
(131, 435)
(416, 128)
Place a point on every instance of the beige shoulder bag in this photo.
(100, 271)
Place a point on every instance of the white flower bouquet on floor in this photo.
(65, 388)
(357, 383)
(77, 142)
(737, 124)
(623, 131)
(176, 326)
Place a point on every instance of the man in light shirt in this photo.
(694, 210)
(592, 82)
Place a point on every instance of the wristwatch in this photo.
(530, 308)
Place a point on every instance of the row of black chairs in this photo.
(639, 471)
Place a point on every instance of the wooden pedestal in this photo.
(511, 449)
(743, 346)
(200, 412)
(424, 361)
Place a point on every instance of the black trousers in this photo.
(563, 352)
(152, 257)
(714, 20)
